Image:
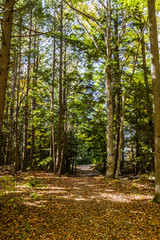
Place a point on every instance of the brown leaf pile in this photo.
(38, 205)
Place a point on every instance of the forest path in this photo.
(86, 171)
(42, 206)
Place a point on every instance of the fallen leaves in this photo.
(38, 205)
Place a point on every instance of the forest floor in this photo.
(40, 205)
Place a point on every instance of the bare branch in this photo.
(26, 28)
(23, 6)
(92, 38)
(85, 15)
(103, 5)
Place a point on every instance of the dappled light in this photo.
(79, 120)
(40, 205)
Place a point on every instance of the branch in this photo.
(24, 36)
(136, 54)
(103, 5)
(84, 14)
(122, 32)
(93, 39)
(26, 28)
(80, 12)
(23, 6)
(37, 33)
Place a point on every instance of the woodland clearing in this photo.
(40, 205)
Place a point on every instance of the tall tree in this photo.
(60, 124)
(88, 22)
(110, 155)
(156, 91)
(34, 87)
(53, 157)
(26, 107)
(5, 52)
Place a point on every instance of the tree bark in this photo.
(34, 88)
(52, 165)
(156, 91)
(10, 154)
(25, 157)
(60, 124)
(65, 87)
(118, 88)
(5, 53)
(110, 155)
(16, 145)
(120, 138)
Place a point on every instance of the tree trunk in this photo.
(118, 89)
(5, 53)
(120, 138)
(34, 87)
(16, 145)
(156, 91)
(53, 157)
(148, 101)
(110, 154)
(145, 72)
(10, 155)
(25, 156)
(60, 125)
(65, 87)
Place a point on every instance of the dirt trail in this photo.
(42, 206)
(86, 171)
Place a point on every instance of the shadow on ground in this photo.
(38, 205)
(86, 171)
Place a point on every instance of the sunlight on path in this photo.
(38, 205)
(86, 171)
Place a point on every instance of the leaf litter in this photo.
(40, 205)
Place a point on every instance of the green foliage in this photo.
(84, 81)
(44, 163)
(34, 183)
(13, 202)
(34, 196)
(156, 200)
